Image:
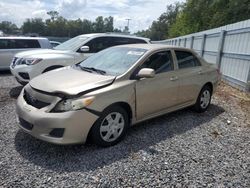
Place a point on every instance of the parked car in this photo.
(28, 65)
(9, 46)
(102, 96)
(54, 43)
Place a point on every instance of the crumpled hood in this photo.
(41, 53)
(69, 81)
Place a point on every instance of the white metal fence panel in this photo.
(228, 47)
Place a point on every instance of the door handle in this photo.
(174, 78)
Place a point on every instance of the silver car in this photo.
(9, 46)
(102, 96)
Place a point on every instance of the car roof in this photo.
(113, 35)
(154, 46)
(30, 38)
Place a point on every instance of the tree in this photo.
(53, 15)
(8, 27)
(35, 25)
(98, 25)
(109, 24)
(160, 28)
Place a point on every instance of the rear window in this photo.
(18, 43)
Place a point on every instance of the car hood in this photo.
(41, 53)
(70, 81)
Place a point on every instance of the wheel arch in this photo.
(123, 105)
(210, 85)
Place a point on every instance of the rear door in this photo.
(161, 92)
(6, 53)
(190, 75)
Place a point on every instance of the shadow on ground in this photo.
(5, 73)
(89, 157)
(15, 91)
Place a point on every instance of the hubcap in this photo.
(205, 99)
(112, 126)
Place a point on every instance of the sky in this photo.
(141, 12)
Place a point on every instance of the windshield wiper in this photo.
(91, 69)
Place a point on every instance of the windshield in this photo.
(113, 61)
(71, 44)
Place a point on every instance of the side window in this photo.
(25, 43)
(137, 41)
(186, 60)
(160, 62)
(123, 40)
(99, 44)
(4, 44)
(119, 41)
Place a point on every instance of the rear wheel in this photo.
(204, 99)
(111, 127)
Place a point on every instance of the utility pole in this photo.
(128, 23)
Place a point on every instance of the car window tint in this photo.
(137, 41)
(124, 40)
(99, 44)
(160, 62)
(25, 43)
(186, 59)
(4, 44)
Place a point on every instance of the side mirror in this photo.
(84, 49)
(146, 73)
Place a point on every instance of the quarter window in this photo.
(18, 43)
(25, 43)
(160, 62)
(186, 60)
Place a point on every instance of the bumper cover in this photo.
(76, 124)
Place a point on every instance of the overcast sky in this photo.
(141, 12)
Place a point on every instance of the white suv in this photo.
(27, 65)
(9, 46)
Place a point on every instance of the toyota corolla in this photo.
(102, 96)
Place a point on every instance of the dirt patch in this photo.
(240, 99)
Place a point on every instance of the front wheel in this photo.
(111, 127)
(203, 100)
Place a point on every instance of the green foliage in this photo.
(35, 25)
(8, 27)
(160, 28)
(61, 27)
(197, 15)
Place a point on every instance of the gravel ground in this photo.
(181, 149)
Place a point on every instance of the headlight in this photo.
(73, 104)
(29, 61)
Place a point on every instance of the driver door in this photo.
(154, 95)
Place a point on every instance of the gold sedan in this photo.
(102, 96)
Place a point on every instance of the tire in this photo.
(204, 99)
(107, 133)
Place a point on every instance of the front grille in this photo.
(24, 75)
(25, 124)
(33, 101)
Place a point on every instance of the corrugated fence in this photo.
(226, 47)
